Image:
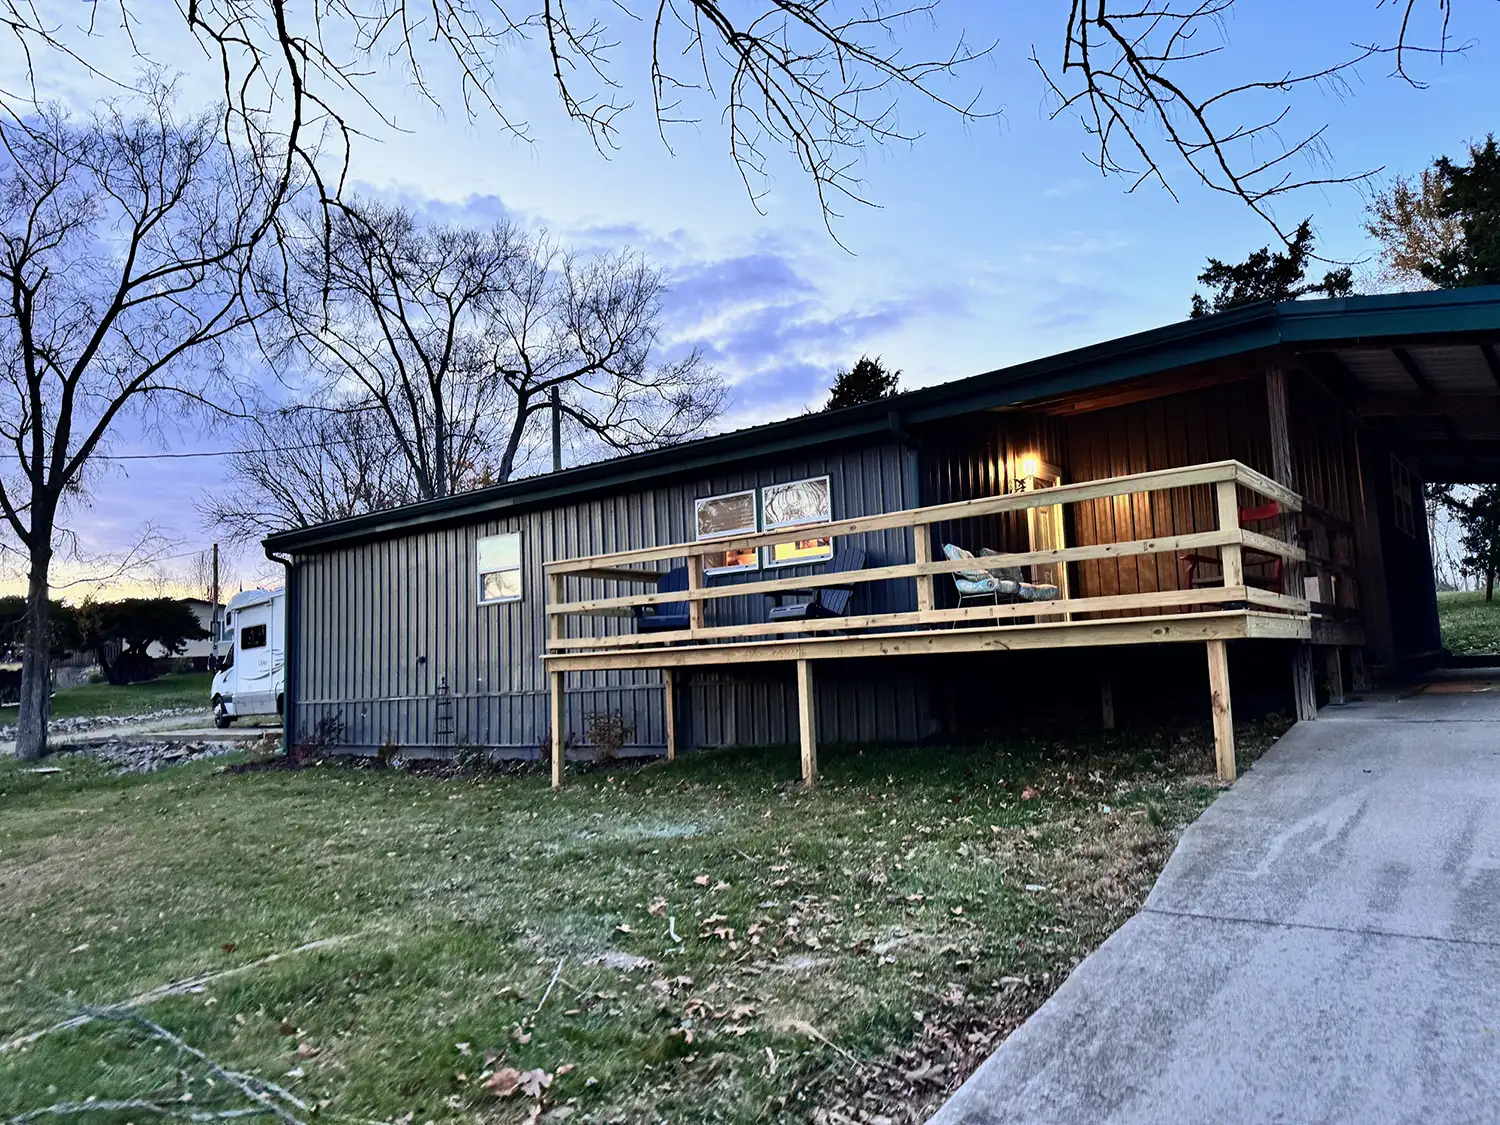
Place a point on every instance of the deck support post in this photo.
(559, 735)
(1107, 700)
(1333, 667)
(1218, 684)
(807, 715)
(1358, 671)
(669, 705)
(1303, 688)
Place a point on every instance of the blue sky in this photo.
(992, 242)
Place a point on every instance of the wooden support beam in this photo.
(1218, 686)
(1304, 691)
(1107, 701)
(669, 705)
(922, 553)
(1414, 372)
(559, 733)
(1492, 361)
(1333, 668)
(557, 625)
(807, 723)
(1283, 467)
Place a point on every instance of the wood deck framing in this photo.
(1235, 611)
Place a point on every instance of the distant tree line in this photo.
(119, 634)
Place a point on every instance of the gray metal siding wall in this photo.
(383, 624)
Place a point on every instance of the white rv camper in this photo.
(251, 676)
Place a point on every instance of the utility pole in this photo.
(214, 626)
(556, 430)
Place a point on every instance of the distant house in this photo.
(196, 651)
(1247, 485)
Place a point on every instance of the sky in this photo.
(987, 242)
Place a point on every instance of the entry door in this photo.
(1046, 531)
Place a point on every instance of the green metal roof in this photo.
(1348, 321)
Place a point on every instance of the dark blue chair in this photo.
(663, 616)
(826, 601)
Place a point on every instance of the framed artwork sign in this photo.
(798, 503)
(723, 517)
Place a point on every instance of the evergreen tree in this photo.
(1267, 276)
(1471, 194)
(1478, 515)
(867, 381)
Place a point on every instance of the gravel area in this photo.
(80, 724)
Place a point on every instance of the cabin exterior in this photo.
(1247, 485)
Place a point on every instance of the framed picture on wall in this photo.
(798, 503)
(724, 517)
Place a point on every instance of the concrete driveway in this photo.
(1323, 946)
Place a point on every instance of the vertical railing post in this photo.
(922, 553)
(695, 605)
(807, 723)
(1229, 520)
(556, 625)
(559, 733)
(1223, 711)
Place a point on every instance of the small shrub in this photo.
(472, 760)
(327, 733)
(607, 732)
(389, 756)
(98, 678)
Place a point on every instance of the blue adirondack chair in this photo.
(826, 601)
(663, 616)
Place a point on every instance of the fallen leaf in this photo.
(703, 880)
(564, 1069)
(296, 1072)
(504, 1082)
(625, 928)
(533, 1082)
(287, 1028)
(1028, 793)
(721, 886)
(463, 1048)
(228, 947)
(307, 1051)
(657, 908)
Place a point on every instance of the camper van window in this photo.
(500, 568)
(253, 636)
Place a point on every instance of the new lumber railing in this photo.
(1213, 614)
(568, 602)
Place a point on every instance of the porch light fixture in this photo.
(1030, 465)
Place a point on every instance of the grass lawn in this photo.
(1469, 623)
(731, 948)
(187, 690)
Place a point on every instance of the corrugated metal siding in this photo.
(383, 624)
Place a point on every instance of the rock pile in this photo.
(82, 723)
(136, 756)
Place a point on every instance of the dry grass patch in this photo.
(693, 942)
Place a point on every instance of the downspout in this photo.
(289, 690)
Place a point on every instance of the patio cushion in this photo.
(1037, 592)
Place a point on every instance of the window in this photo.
(500, 568)
(793, 504)
(723, 517)
(252, 636)
(1404, 497)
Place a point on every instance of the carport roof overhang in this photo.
(1422, 367)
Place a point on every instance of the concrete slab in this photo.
(1323, 946)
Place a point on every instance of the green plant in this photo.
(389, 756)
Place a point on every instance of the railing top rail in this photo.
(1156, 480)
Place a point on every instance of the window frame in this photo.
(771, 562)
(243, 645)
(481, 572)
(1403, 498)
(732, 533)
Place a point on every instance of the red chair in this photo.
(1271, 568)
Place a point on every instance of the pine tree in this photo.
(1471, 194)
(867, 381)
(1265, 276)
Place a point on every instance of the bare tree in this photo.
(125, 252)
(308, 465)
(457, 339)
(814, 80)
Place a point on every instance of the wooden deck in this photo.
(589, 617)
